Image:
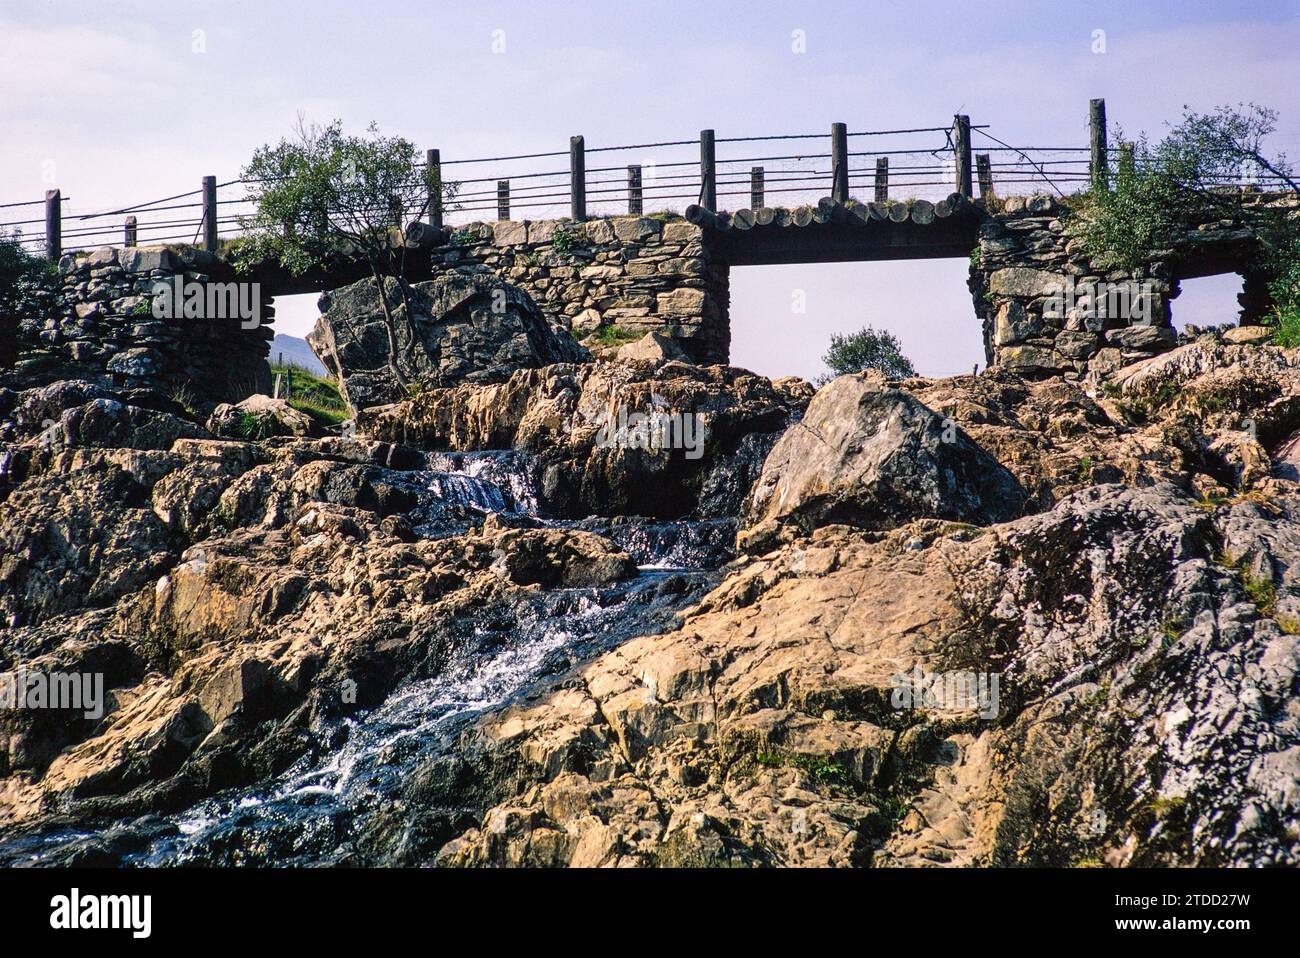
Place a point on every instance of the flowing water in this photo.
(329, 806)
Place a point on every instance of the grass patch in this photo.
(316, 396)
(613, 336)
(253, 427)
(1261, 591)
(822, 769)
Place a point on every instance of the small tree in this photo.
(868, 348)
(1189, 178)
(17, 268)
(321, 195)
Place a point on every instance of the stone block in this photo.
(509, 233)
(1012, 324)
(637, 229)
(1021, 281)
(679, 231)
(681, 302)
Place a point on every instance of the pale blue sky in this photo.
(112, 103)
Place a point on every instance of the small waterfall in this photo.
(513, 473)
(321, 810)
(682, 544)
(459, 489)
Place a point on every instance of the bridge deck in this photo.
(834, 232)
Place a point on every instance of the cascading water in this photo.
(329, 805)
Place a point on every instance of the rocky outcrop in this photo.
(869, 455)
(571, 419)
(1141, 715)
(458, 327)
(392, 663)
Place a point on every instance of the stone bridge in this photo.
(662, 274)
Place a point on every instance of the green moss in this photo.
(1164, 808)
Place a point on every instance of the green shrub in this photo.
(867, 349)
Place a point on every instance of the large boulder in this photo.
(870, 455)
(459, 327)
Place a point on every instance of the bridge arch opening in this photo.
(1207, 301)
(783, 316)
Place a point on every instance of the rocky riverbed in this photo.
(477, 633)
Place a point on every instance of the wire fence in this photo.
(725, 174)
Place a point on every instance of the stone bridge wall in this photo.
(639, 274)
(95, 321)
(1026, 266)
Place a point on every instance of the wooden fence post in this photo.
(839, 162)
(503, 199)
(577, 178)
(882, 179)
(635, 207)
(961, 150)
(756, 188)
(984, 168)
(128, 238)
(708, 173)
(53, 224)
(1097, 136)
(433, 183)
(210, 213)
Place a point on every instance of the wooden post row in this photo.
(1097, 137)
(961, 150)
(708, 172)
(635, 207)
(53, 224)
(577, 178)
(503, 199)
(839, 162)
(129, 234)
(984, 169)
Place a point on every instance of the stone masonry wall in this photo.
(637, 273)
(96, 322)
(1027, 265)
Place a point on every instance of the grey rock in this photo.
(462, 328)
(873, 456)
